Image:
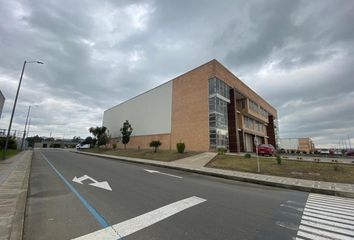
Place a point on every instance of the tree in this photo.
(126, 131)
(100, 135)
(155, 144)
(88, 140)
(34, 139)
(102, 140)
(76, 139)
(12, 143)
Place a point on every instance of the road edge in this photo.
(17, 225)
(225, 176)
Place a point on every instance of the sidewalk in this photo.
(196, 164)
(14, 176)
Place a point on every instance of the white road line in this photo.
(311, 236)
(133, 225)
(327, 217)
(330, 210)
(324, 233)
(347, 211)
(336, 224)
(321, 203)
(331, 198)
(332, 202)
(322, 213)
(158, 172)
(327, 227)
(334, 219)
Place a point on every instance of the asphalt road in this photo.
(190, 206)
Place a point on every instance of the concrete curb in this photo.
(16, 232)
(226, 176)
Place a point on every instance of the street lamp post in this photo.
(24, 130)
(14, 107)
(28, 128)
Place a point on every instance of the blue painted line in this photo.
(91, 209)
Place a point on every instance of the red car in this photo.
(350, 152)
(266, 149)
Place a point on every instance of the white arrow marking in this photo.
(133, 225)
(104, 184)
(154, 171)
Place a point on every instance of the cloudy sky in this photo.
(298, 55)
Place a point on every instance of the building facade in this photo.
(2, 101)
(293, 145)
(206, 108)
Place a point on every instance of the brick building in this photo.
(206, 108)
(293, 145)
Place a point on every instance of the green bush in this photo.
(114, 145)
(278, 158)
(221, 151)
(335, 165)
(12, 144)
(155, 144)
(180, 147)
(247, 155)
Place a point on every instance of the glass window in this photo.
(253, 106)
(249, 122)
(218, 124)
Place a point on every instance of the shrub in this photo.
(221, 151)
(155, 144)
(12, 144)
(278, 158)
(180, 147)
(247, 155)
(114, 145)
(335, 165)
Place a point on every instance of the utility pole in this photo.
(29, 124)
(345, 144)
(13, 112)
(24, 130)
(350, 146)
(14, 107)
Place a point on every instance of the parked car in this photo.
(324, 152)
(82, 146)
(350, 152)
(337, 152)
(266, 149)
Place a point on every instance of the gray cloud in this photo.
(297, 54)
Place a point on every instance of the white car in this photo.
(83, 146)
(324, 151)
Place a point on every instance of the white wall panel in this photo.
(148, 113)
(289, 143)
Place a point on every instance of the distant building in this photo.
(2, 101)
(206, 108)
(293, 145)
(55, 144)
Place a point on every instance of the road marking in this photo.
(92, 210)
(133, 225)
(103, 185)
(158, 172)
(327, 217)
